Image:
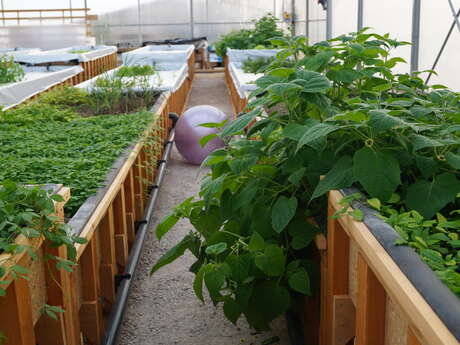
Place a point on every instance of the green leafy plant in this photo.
(336, 116)
(257, 65)
(264, 29)
(135, 71)
(10, 71)
(79, 51)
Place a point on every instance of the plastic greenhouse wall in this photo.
(395, 17)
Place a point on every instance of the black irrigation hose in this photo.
(125, 280)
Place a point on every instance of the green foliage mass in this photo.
(264, 29)
(76, 153)
(10, 71)
(257, 65)
(135, 71)
(337, 111)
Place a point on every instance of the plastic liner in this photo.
(165, 59)
(177, 41)
(189, 48)
(244, 82)
(36, 80)
(443, 301)
(160, 81)
(17, 51)
(65, 55)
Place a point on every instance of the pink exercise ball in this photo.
(189, 132)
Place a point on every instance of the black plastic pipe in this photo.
(126, 279)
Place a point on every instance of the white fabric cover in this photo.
(65, 54)
(161, 81)
(238, 56)
(244, 82)
(16, 51)
(162, 60)
(36, 80)
(189, 48)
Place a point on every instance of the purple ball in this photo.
(189, 132)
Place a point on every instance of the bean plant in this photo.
(329, 116)
(10, 71)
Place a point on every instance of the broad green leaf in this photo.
(378, 172)
(232, 310)
(340, 176)
(347, 75)
(300, 281)
(297, 176)
(246, 195)
(283, 72)
(175, 252)
(294, 131)
(284, 89)
(214, 281)
(429, 197)
(215, 158)
(206, 139)
(198, 281)
(453, 160)
(166, 224)
(315, 132)
(375, 203)
(240, 266)
(256, 243)
(282, 212)
(357, 215)
(302, 232)
(420, 142)
(242, 164)
(317, 61)
(216, 249)
(381, 121)
(272, 261)
(238, 125)
(427, 166)
(312, 82)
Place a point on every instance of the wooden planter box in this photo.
(238, 103)
(95, 67)
(372, 295)
(108, 222)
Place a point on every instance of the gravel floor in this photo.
(163, 309)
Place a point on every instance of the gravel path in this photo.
(163, 309)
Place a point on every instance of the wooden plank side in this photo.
(344, 320)
(370, 309)
(396, 284)
(412, 339)
(338, 245)
(16, 314)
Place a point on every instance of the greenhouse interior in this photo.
(223, 172)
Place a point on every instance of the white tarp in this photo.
(162, 60)
(245, 82)
(36, 80)
(65, 55)
(160, 81)
(189, 48)
(16, 51)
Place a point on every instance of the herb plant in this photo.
(257, 65)
(340, 112)
(135, 71)
(10, 71)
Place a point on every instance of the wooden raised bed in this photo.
(238, 103)
(365, 294)
(95, 67)
(108, 222)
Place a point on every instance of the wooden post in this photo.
(121, 238)
(338, 246)
(108, 259)
(128, 186)
(370, 309)
(16, 314)
(91, 308)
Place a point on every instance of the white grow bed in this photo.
(245, 82)
(160, 81)
(162, 60)
(36, 80)
(188, 48)
(65, 55)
